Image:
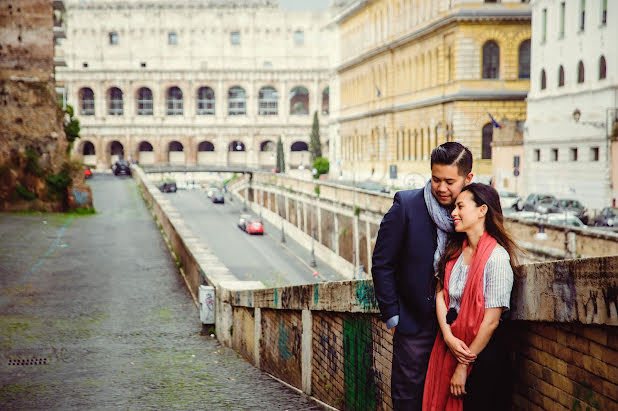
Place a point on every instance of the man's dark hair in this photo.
(453, 153)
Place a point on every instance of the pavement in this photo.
(94, 315)
(262, 258)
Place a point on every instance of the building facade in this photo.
(195, 82)
(416, 73)
(570, 128)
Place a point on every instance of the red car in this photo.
(87, 172)
(254, 227)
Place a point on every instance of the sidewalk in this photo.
(94, 315)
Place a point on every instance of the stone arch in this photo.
(206, 152)
(175, 152)
(145, 153)
(87, 149)
(205, 146)
(116, 151)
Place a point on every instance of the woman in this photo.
(475, 278)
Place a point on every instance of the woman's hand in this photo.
(460, 350)
(458, 381)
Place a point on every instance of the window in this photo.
(554, 154)
(142, 64)
(205, 101)
(536, 155)
(144, 102)
(206, 146)
(524, 59)
(115, 106)
(543, 80)
(544, 26)
(268, 102)
(113, 38)
(604, 12)
(594, 153)
(174, 102)
(299, 37)
(582, 15)
(85, 65)
(573, 154)
(88, 149)
(299, 101)
(580, 72)
(326, 101)
(86, 100)
(491, 60)
(235, 37)
(236, 102)
(172, 38)
(560, 76)
(602, 68)
(562, 13)
(488, 135)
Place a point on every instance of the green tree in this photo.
(280, 159)
(315, 147)
(71, 127)
(321, 165)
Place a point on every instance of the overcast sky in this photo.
(299, 5)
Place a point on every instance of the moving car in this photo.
(168, 187)
(218, 198)
(608, 217)
(87, 172)
(121, 167)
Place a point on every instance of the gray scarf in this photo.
(441, 216)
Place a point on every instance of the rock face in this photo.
(33, 145)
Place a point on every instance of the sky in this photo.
(300, 5)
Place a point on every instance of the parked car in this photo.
(211, 190)
(121, 167)
(564, 219)
(608, 217)
(218, 198)
(533, 200)
(168, 187)
(509, 200)
(242, 220)
(87, 172)
(564, 205)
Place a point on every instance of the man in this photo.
(411, 238)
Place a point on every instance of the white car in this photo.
(509, 200)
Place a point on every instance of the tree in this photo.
(71, 127)
(280, 159)
(315, 147)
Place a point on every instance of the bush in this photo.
(322, 166)
(32, 162)
(24, 193)
(58, 183)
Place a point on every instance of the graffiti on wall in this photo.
(289, 340)
(366, 296)
(360, 390)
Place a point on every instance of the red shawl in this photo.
(437, 395)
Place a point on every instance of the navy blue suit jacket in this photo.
(402, 266)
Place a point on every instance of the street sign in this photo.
(516, 172)
(393, 171)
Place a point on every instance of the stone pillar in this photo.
(336, 225)
(306, 350)
(257, 330)
(356, 262)
(368, 238)
(319, 209)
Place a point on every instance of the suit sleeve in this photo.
(386, 258)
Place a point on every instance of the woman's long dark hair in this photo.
(494, 225)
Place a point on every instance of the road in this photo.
(249, 257)
(95, 316)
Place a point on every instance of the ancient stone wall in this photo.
(32, 140)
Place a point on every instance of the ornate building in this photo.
(195, 81)
(571, 147)
(416, 73)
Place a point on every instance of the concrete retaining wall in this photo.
(327, 340)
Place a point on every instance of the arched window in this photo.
(299, 101)
(543, 80)
(145, 146)
(175, 146)
(560, 76)
(488, 136)
(299, 146)
(602, 68)
(267, 146)
(524, 59)
(174, 101)
(237, 105)
(86, 101)
(267, 102)
(117, 149)
(144, 102)
(580, 72)
(205, 101)
(88, 149)
(236, 146)
(114, 98)
(205, 146)
(326, 101)
(491, 60)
